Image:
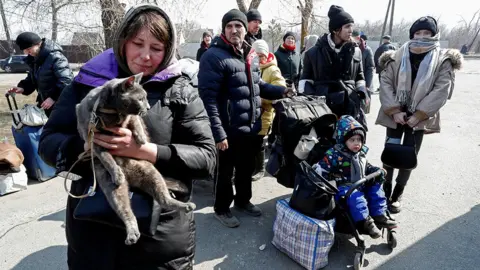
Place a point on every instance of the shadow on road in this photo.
(51, 258)
(239, 248)
(57, 216)
(452, 246)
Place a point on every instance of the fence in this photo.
(74, 53)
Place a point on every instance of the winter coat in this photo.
(383, 48)
(338, 162)
(428, 109)
(336, 74)
(48, 73)
(176, 122)
(203, 48)
(289, 63)
(270, 74)
(230, 86)
(368, 66)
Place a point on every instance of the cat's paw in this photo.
(140, 138)
(132, 236)
(119, 179)
(190, 206)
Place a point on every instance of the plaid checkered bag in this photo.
(306, 240)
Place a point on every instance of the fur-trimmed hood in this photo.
(454, 55)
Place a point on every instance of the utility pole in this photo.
(391, 18)
(385, 21)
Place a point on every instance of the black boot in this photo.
(259, 165)
(383, 221)
(369, 227)
(395, 206)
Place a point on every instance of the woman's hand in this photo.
(399, 118)
(124, 145)
(413, 121)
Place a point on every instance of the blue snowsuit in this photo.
(347, 167)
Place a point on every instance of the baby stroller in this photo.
(344, 223)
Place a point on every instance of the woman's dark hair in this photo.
(156, 24)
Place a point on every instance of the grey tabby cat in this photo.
(121, 103)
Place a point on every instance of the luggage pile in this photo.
(304, 225)
(26, 128)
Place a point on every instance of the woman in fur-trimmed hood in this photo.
(417, 80)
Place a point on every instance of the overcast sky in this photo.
(211, 14)
(361, 10)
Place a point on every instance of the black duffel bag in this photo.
(295, 117)
(313, 196)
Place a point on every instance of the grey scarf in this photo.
(408, 95)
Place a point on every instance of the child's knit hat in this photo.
(353, 132)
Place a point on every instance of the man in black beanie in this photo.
(254, 19)
(49, 70)
(333, 68)
(231, 89)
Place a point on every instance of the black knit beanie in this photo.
(357, 131)
(288, 34)
(234, 15)
(424, 23)
(254, 14)
(338, 18)
(27, 39)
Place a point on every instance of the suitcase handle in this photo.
(8, 95)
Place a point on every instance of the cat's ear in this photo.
(138, 77)
(129, 82)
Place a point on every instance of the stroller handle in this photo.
(362, 181)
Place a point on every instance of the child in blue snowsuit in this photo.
(346, 163)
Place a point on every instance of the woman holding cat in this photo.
(181, 145)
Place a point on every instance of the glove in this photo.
(381, 178)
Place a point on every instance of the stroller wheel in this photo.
(392, 239)
(358, 261)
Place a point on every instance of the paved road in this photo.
(438, 227)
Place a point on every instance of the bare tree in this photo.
(274, 33)
(112, 14)
(5, 27)
(306, 16)
(254, 4)
(45, 8)
(306, 10)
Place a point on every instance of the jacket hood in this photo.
(169, 57)
(454, 55)
(271, 61)
(104, 67)
(311, 40)
(344, 125)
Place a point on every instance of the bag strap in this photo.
(407, 129)
(307, 169)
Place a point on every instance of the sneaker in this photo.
(249, 209)
(370, 227)
(395, 207)
(228, 219)
(385, 222)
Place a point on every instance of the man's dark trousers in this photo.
(240, 156)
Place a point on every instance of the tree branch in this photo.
(255, 4)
